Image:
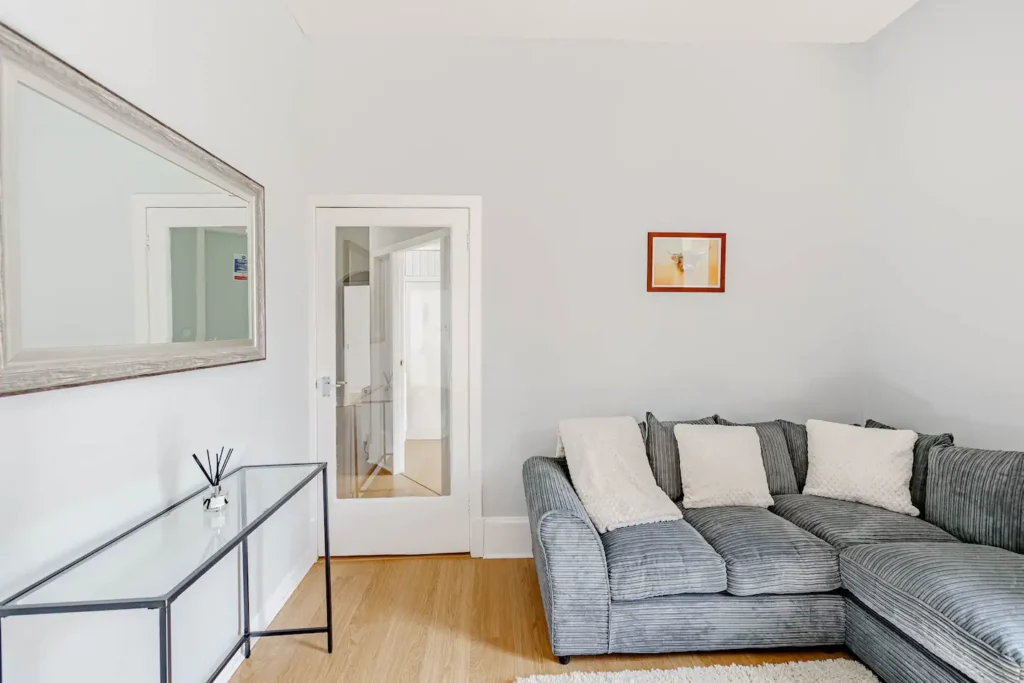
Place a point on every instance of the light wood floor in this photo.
(387, 485)
(424, 463)
(448, 618)
(422, 477)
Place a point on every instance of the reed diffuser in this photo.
(214, 472)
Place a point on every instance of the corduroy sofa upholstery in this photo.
(937, 598)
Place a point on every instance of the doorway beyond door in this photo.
(405, 450)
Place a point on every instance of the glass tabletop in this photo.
(154, 560)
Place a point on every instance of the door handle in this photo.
(325, 385)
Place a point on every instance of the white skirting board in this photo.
(261, 619)
(506, 537)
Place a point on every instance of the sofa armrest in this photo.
(570, 560)
(977, 495)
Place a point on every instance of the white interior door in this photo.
(414, 260)
(362, 419)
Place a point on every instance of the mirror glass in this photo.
(115, 244)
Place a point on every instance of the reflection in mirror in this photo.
(209, 288)
(117, 245)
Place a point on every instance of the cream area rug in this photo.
(825, 671)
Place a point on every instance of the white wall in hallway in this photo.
(579, 149)
(944, 324)
(222, 74)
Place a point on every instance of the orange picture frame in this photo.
(686, 261)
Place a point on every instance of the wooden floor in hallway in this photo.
(447, 618)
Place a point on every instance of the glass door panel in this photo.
(393, 362)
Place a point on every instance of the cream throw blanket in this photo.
(610, 472)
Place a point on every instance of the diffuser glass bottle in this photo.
(215, 499)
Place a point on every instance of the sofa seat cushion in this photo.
(843, 523)
(963, 603)
(664, 558)
(765, 554)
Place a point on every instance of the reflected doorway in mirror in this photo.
(191, 268)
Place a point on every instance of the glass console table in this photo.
(150, 565)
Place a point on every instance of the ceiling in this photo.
(671, 21)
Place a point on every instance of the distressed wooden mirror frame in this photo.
(23, 371)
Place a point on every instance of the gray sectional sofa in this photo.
(933, 599)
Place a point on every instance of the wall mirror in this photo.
(125, 249)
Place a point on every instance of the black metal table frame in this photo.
(163, 604)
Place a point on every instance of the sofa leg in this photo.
(563, 659)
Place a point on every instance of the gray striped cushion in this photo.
(665, 558)
(569, 557)
(963, 603)
(843, 523)
(919, 477)
(778, 465)
(663, 453)
(702, 623)
(978, 495)
(796, 440)
(764, 553)
(890, 654)
(643, 431)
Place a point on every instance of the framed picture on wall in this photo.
(686, 262)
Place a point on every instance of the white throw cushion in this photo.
(871, 466)
(721, 466)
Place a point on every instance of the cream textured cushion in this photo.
(721, 466)
(871, 466)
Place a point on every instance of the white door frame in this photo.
(474, 205)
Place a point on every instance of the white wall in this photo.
(579, 149)
(223, 74)
(944, 323)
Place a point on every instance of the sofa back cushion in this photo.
(778, 464)
(796, 441)
(977, 495)
(663, 453)
(919, 476)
